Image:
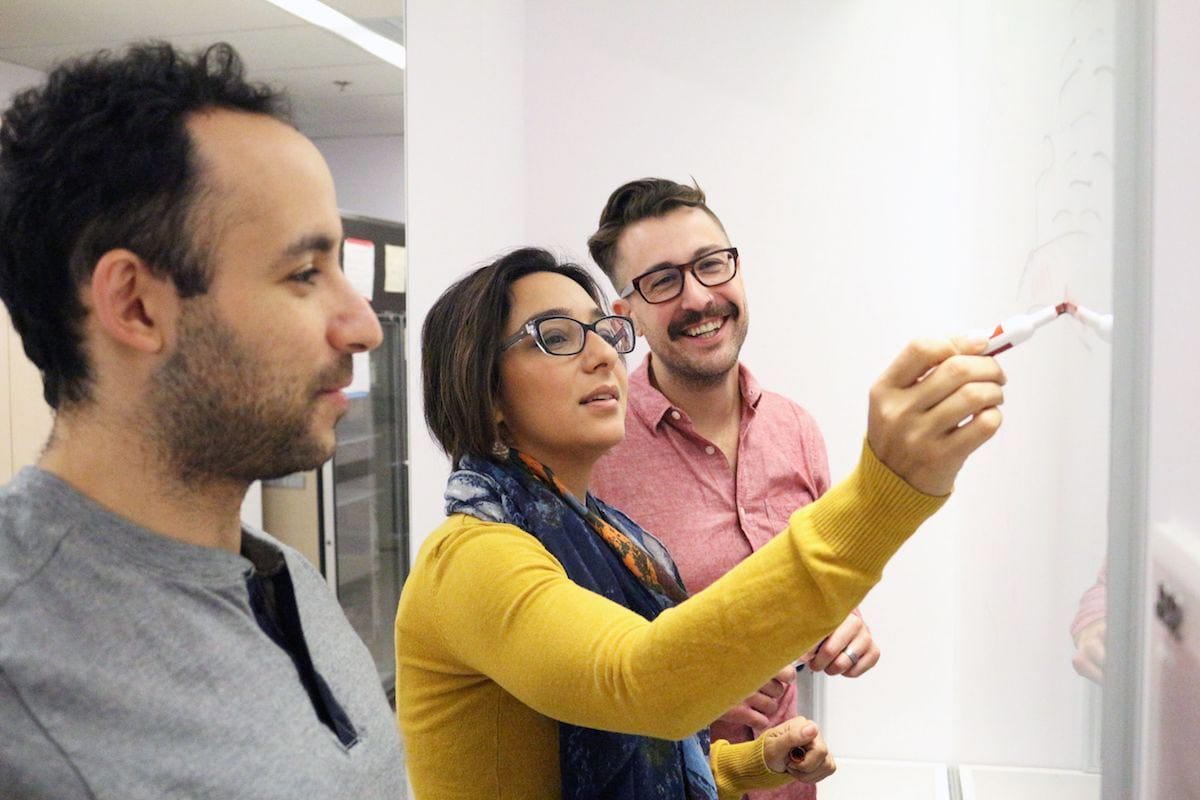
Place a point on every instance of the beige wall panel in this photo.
(30, 416)
(290, 514)
(6, 333)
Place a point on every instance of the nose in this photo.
(597, 351)
(694, 294)
(354, 327)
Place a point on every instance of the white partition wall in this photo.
(888, 171)
(1169, 606)
(464, 158)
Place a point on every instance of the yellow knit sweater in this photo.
(495, 644)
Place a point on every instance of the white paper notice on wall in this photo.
(395, 264)
(358, 262)
(360, 382)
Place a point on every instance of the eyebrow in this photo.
(561, 312)
(699, 251)
(311, 243)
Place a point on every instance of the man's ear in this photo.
(624, 308)
(130, 304)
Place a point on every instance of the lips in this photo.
(334, 390)
(602, 393)
(694, 324)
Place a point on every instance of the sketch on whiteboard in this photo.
(1071, 258)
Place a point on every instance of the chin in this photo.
(597, 445)
(315, 451)
(610, 441)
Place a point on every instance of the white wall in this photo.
(884, 169)
(14, 78)
(1170, 692)
(826, 137)
(369, 174)
(466, 172)
(1175, 439)
(1036, 122)
(879, 166)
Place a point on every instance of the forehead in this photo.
(540, 292)
(674, 238)
(261, 177)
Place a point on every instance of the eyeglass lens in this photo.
(711, 270)
(563, 336)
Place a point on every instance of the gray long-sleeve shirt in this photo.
(132, 666)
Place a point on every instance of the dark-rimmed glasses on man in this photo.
(666, 282)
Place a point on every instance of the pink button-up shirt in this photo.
(678, 486)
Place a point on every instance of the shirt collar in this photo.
(748, 385)
(651, 406)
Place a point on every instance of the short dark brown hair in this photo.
(638, 200)
(460, 349)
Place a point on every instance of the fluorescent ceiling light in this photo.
(335, 21)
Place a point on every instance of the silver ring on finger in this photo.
(853, 656)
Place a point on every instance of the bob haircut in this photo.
(460, 349)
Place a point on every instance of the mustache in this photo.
(334, 375)
(690, 318)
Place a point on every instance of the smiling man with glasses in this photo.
(743, 459)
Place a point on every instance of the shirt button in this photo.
(675, 415)
(710, 449)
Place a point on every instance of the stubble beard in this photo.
(704, 374)
(220, 414)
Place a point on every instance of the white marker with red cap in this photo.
(1019, 328)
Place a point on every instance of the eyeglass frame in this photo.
(689, 266)
(531, 329)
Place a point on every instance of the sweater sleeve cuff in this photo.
(867, 516)
(740, 767)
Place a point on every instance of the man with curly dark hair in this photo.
(169, 257)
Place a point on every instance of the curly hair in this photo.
(99, 158)
(460, 355)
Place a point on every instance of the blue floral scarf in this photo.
(604, 551)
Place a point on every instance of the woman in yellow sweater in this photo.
(545, 646)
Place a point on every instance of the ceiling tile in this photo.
(277, 47)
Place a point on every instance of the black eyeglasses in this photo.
(666, 283)
(563, 336)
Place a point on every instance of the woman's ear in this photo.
(503, 440)
(131, 305)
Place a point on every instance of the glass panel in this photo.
(370, 505)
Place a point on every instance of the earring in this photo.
(500, 450)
